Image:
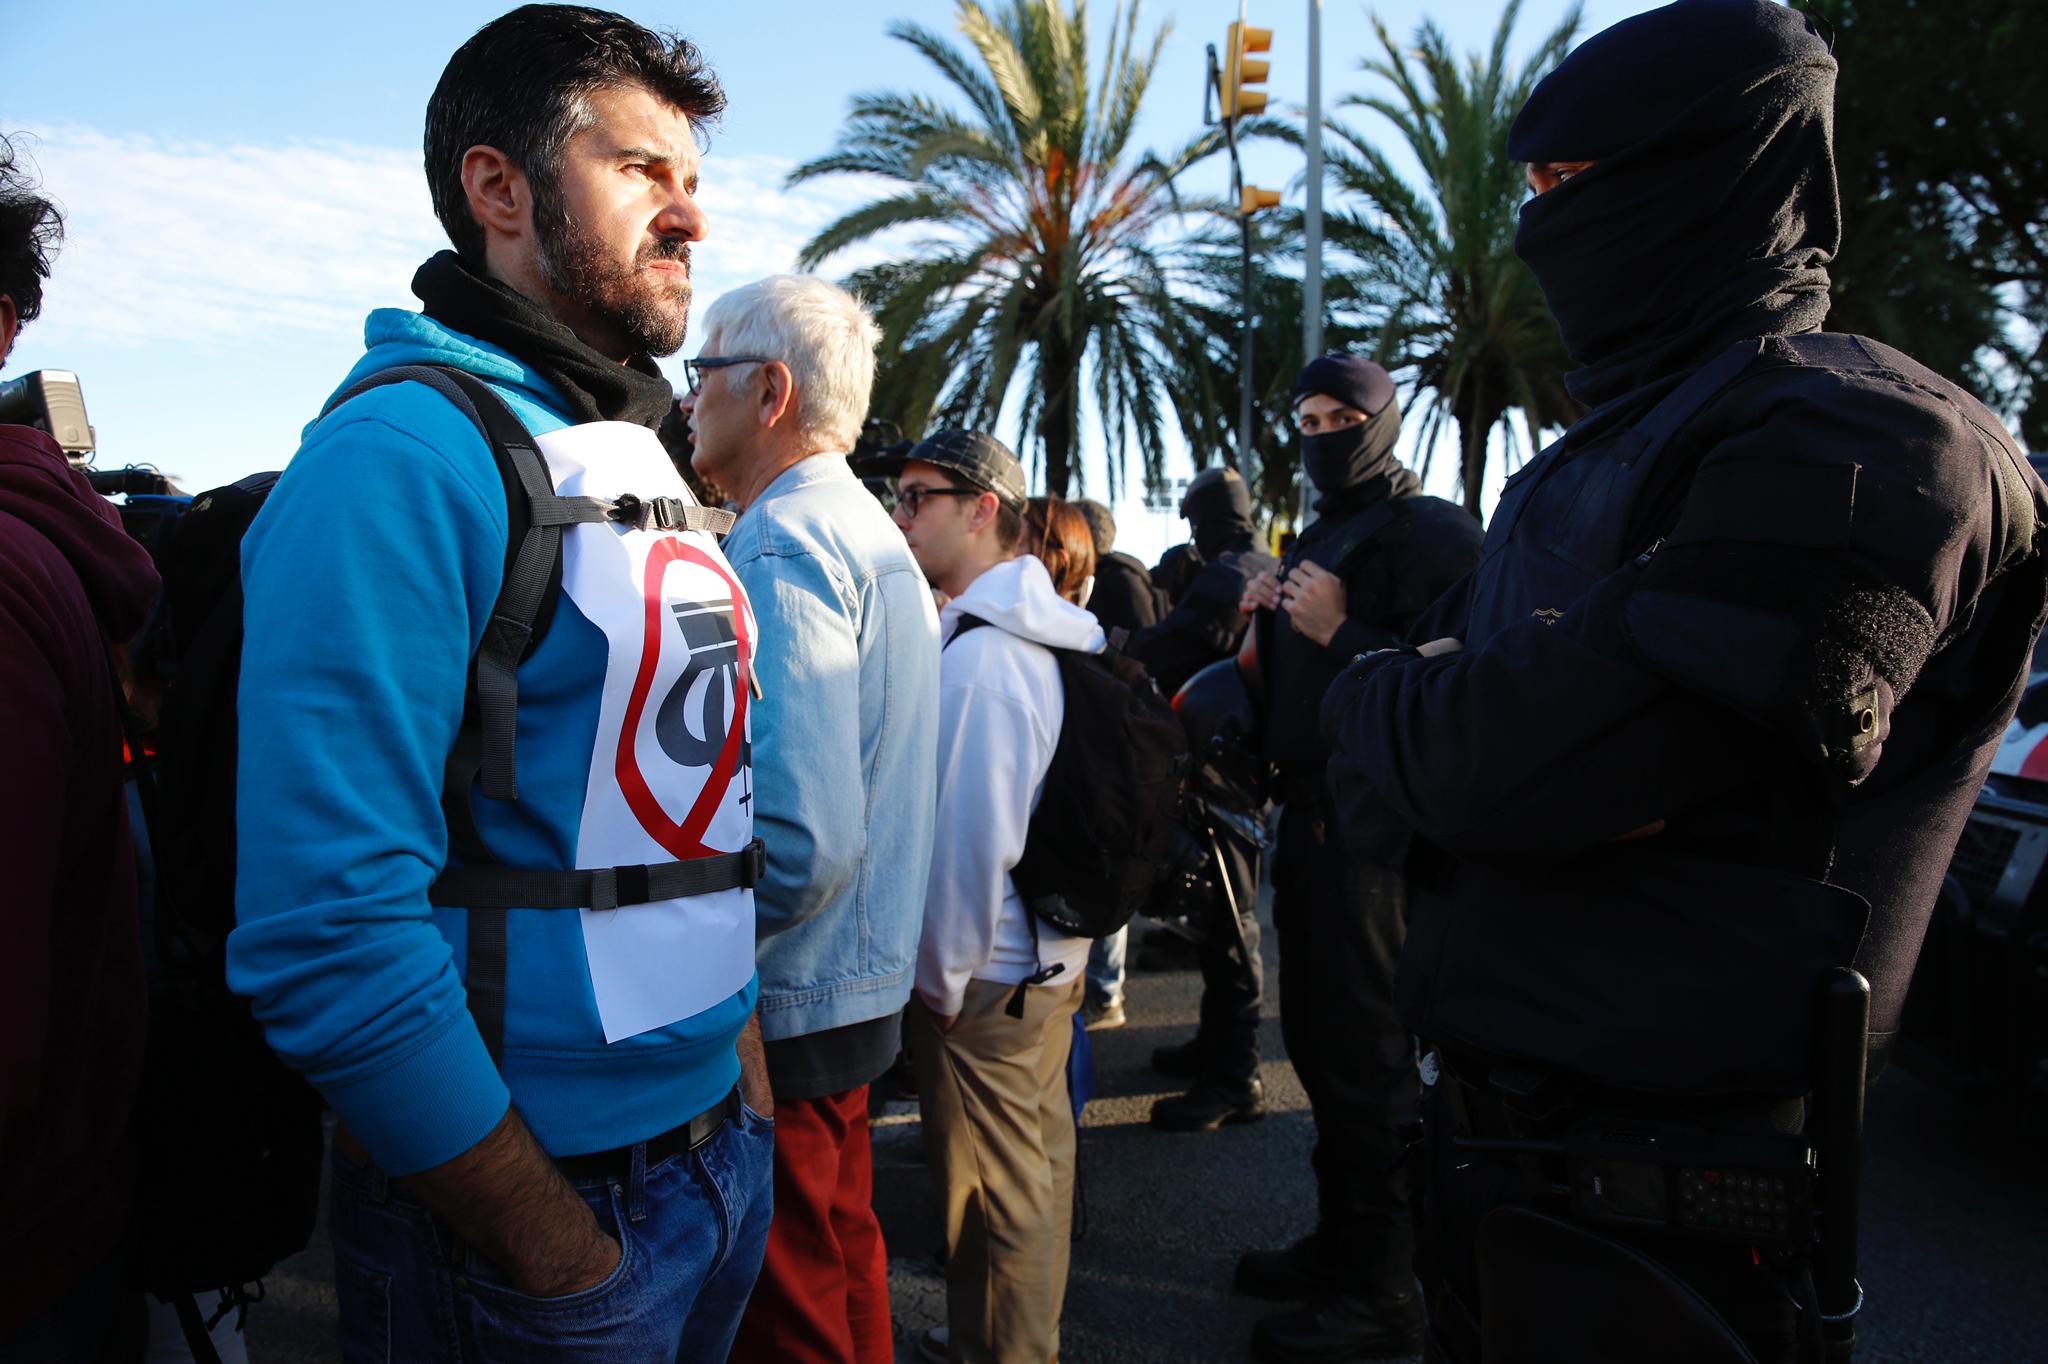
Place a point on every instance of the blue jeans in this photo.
(1106, 968)
(691, 1229)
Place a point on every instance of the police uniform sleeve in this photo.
(1547, 741)
(1787, 613)
(1205, 626)
(1819, 560)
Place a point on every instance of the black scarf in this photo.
(1353, 455)
(597, 389)
(1716, 223)
(1395, 482)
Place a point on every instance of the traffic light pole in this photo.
(1312, 259)
(1312, 275)
(1231, 81)
(1243, 457)
(1244, 404)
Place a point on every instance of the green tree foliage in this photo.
(1455, 314)
(1210, 365)
(1941, 134)
(1029, 235)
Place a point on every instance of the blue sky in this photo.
(242, 181)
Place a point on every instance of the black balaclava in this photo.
(1357, 457)
(1713, 212)
(1218, 506)
(596, 388)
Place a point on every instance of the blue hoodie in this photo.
(368, 579)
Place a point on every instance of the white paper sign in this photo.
(671, 774)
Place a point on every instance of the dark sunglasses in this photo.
(910, 499)
(693, 370)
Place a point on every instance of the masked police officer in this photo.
(1378, 554)
(1204, 624)
(1724, 685)
(1204, 627)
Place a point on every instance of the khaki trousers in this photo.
(999, 1136)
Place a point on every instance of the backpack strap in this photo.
(967, 623)
(1015, 1007)
(500, 887)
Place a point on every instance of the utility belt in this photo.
(1735, 1171)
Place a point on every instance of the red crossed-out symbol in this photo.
(684, 840)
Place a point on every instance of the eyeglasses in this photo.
(693, 370)
(908, 500)
(1310, 423)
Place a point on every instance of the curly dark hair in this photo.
(520, 85)
(30, 229)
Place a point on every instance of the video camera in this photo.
(50, 400)
(53, 401)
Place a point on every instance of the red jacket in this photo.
(72, 1001)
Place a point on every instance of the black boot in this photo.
(1335, 1330)
(1184, 1062)
(1295, 1272)
(1208, 1106)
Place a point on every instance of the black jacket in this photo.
(1716, 698)
(1205, 625)
(1123, 595)
(1396, 553)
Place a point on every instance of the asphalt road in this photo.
(1955, 1230)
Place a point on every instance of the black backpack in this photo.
(1105, 819)
(232, 1139)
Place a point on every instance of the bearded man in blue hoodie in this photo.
(543, 1148)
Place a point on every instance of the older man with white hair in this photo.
(844, 761)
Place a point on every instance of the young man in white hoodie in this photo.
(991, 1022)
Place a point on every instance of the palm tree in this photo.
(1209, 349)
(1029, 234)
(1458, 317)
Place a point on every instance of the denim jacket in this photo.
(845, 752)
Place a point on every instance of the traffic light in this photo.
(1251, 199)
(1241, 70)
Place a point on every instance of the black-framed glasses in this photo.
(693, 370)
(908, 500)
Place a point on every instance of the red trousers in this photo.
(823, 1294)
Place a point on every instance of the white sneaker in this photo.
(935, 1346)
(1095, 1017)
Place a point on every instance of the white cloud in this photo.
(180, 242)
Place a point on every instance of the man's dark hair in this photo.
(520, 85)
(30, 228)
